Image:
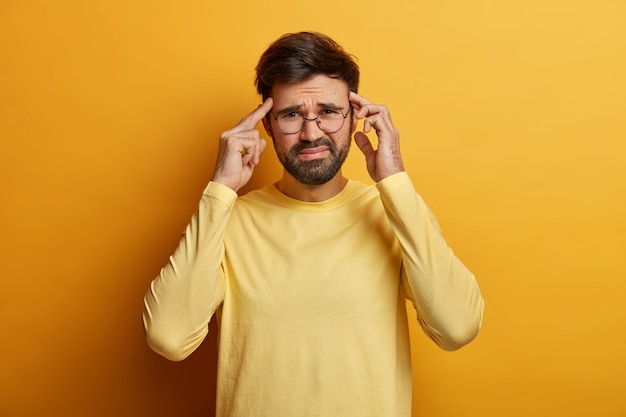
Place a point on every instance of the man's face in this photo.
(312, 156)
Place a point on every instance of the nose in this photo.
(311, 130)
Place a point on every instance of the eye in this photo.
(330, 114)
(290, 115)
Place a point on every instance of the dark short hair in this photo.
(296, 57)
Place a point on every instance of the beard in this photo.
(317, 171)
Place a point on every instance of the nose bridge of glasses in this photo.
(317, 124)
(315, 119)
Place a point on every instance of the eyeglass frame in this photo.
(316, 119)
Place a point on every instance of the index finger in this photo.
(358, 100)
(252, 119)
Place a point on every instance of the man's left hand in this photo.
(386, 159)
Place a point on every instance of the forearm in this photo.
(443, 291)
(188, 290)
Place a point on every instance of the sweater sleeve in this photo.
(188, 290)
(443, 291)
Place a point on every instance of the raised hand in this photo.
(386, 159)
(240, 149)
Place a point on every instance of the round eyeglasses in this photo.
(328, 120)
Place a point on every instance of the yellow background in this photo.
(512, 119)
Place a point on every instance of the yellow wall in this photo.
(513, 121)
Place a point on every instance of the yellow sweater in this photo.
(311, 298)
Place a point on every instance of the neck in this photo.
(311, 193)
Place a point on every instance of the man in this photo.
(309, 275)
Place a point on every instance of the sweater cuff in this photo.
(393, 182)
(220, 192)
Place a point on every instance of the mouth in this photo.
(314, 153)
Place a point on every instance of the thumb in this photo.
(364, 144)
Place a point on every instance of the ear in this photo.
(354, 121)
(268, 127)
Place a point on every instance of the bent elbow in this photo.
(466, 327)
(169, 343)
(457, 338)
(463, 333)
(455, 334)
(168, 347)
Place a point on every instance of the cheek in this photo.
(344, 136)
(281, 144)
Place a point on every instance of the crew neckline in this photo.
(325, 205)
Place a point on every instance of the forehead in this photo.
(317, 89)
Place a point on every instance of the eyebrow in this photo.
(297, 107)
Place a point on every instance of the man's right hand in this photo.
(240, 150)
